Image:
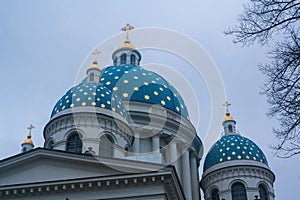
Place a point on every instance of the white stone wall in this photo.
(250, 174)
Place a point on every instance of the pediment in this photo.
(43, 165)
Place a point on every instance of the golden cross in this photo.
(30, 128)
(127, 28)
(95, 53)
(226, 104)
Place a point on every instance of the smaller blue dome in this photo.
(90, 95)
(233, 147)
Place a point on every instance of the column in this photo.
(186, 170)
(195, 179)
(155, 144)
(136, 144)
(173, 156)
(172, 152)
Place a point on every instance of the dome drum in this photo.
(126, 55)
(90, 127)
(249, 175)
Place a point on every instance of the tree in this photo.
(276, 23)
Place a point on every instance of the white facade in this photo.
(249, 173)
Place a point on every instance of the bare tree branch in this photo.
(260, 22)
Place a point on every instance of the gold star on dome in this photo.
(125, 94)
(115, 88)
(135, 88)
(147, 97)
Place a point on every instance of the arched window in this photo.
(106, 146)
(132, 59)
(92, 77)
(74, 143)
(215, 195)
(123, 59)
(115, 62)
(263, 192)
(230, 128)
(238, 192)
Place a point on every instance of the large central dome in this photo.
(134, 83)
(125, 81)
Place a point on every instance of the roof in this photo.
(134, 83)
(233, 147)
(90, 95)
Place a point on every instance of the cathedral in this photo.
(124, 133)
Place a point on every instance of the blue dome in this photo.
(233, 147)
(90, 95)
(134, 83)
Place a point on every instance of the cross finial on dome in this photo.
(95, 53)
(28, 144)
(30, 128)
(127, 28)
(28, 140)
(228, 117)
(226, 105)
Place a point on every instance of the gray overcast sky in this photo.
(43, 43)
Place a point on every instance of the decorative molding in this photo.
(167, 178)
(236, 173)
(88, 120)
